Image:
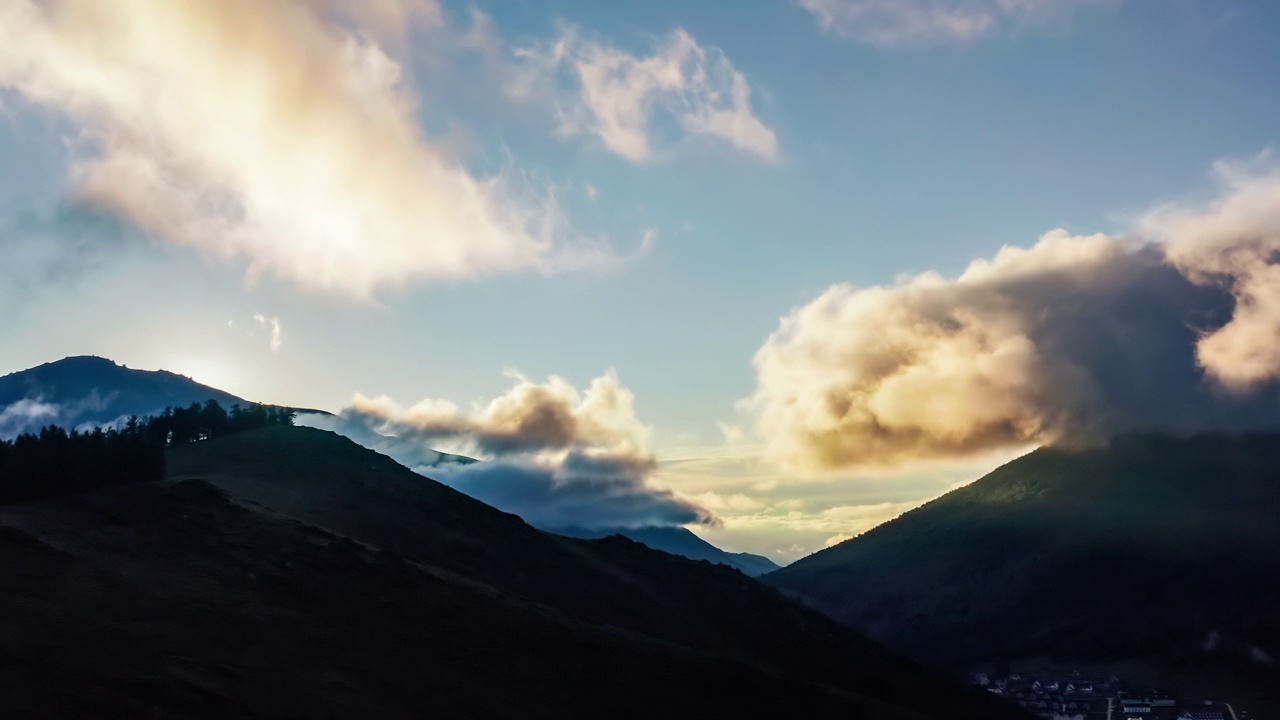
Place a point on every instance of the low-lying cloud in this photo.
(284, 133)
(1071, 340)
(27, 415)
(576, 490)
(638, 104)
(894, 23)
(31, 414)
(549, 453)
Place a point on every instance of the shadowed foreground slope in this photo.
(686, 619)
(171, 601)
(1153, 547)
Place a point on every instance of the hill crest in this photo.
(1138, 549)
(90, 390)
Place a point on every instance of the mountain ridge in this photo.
(677, 541)
(320, 478)
(1141, 548)
(272, 618)
(89, 390)
(92, 390)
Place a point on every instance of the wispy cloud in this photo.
(895, 23)
(27, 415)
(30, 414)
(272, 325)
(284, 133)
(840, 520)
(636, 105)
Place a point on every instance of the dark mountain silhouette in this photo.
(88, 390)
(155, 600)
(754, 565)
(1152, 547)
(565, 624)
(678, 541)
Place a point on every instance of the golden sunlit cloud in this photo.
(1071, 340)
(280, 132)
(556, 455)
(1233, 241)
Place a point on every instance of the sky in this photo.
(778, 270)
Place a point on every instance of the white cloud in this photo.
(549, 416)
(280, 132)
(30, 414)
(1073, 339)
(1234, 242)
(929, 367)
(893, 23)
(635, 104)
(272, 325)
(27, 415)
(553, 454)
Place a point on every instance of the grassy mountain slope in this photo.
(323, 479)
(1144, 548)
(172, 601)
(678, 541)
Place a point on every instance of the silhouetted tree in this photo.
(56, 461)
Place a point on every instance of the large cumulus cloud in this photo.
(284, 133)
(1073, 339)
(550, 453)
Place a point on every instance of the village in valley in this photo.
(1075, 696)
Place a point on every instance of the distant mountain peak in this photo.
(72, 361)
(86, 359)
(88, 390)
(677, 541)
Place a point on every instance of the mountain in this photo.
(753, 565)
(678, 541)
(589, 627)
(1153, 548)
(83, 390)
(88, 390)
(174, 601)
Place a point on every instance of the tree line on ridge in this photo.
(55, 461)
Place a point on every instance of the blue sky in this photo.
(893, 157)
